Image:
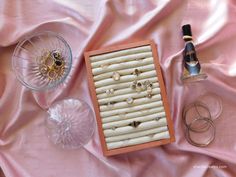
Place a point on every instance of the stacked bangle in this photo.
(202, 121)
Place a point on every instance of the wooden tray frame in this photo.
(116, 151)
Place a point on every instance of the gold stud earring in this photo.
(133, 85)
(110, 104)
(139, 87)
(104, 66)
(109, 91)
(114, 128)
(116, 76)
(149, 95)
(149, 90)
(136, 72)
(130, 100)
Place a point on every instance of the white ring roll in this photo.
(124, 65)
(131, 109)
(140, 140)
(121, 59)
(124, 97)
(129, 129)
(136, 134)
(123, 91)
(121, 123)
(132, 115)
(124, 72)
(121, 53)
(136, 102)
(126, 78)
(121, 85)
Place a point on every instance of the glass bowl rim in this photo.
(27, 37)
(93, 119)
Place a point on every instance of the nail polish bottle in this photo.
(191, 67)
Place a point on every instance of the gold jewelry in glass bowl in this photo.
(51, 65)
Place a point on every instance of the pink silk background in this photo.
(25, 150)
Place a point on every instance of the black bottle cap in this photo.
(187, 30)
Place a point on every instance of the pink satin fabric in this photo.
(25, 150)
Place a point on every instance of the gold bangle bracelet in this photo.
(198, 144)
(192, 106)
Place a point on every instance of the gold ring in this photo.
(135, 124)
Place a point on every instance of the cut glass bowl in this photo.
(42, 61)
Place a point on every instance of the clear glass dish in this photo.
(70, 123)
(42, 61)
